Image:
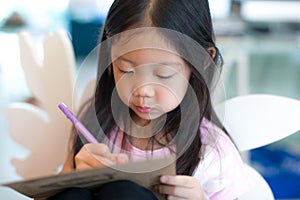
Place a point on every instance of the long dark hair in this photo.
(191, 18)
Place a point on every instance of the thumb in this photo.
(120, 158)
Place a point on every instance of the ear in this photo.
(212, 52)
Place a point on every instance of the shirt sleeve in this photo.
(221, 170)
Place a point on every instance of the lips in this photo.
(142, 109)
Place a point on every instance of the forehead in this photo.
(137, 40)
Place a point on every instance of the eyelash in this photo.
(165, 77)
(125, 72)
(159, 76)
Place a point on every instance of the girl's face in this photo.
(151, 81)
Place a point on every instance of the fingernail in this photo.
(164, 179)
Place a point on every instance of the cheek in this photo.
(174, 94)
(170, 98)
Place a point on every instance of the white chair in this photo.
(257, 120)
(41, 128)
(261, 190)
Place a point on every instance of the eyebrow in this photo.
(162, 63)
(125, 59)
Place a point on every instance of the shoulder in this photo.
(218, 149)
(221, 170)
(215, 139)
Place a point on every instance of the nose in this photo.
(143, 91)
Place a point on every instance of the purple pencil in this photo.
(78, 125)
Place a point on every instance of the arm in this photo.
(68, 165)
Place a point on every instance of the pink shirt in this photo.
(220, 170)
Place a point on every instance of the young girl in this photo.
(157, 70)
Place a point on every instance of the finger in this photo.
(170, 197)
(174, 192)
(180, 180)
(82, 166)
(100, 152)
(87, 155)
(92, 162)
(98, 149)
(120, 158)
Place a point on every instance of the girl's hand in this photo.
(97, 155)
(180, 187)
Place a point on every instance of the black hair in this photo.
(191, 18)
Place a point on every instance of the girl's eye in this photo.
(165, 76)
(123, 67)
(126, 71)
(165, 72)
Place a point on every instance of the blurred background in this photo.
(259, 39)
